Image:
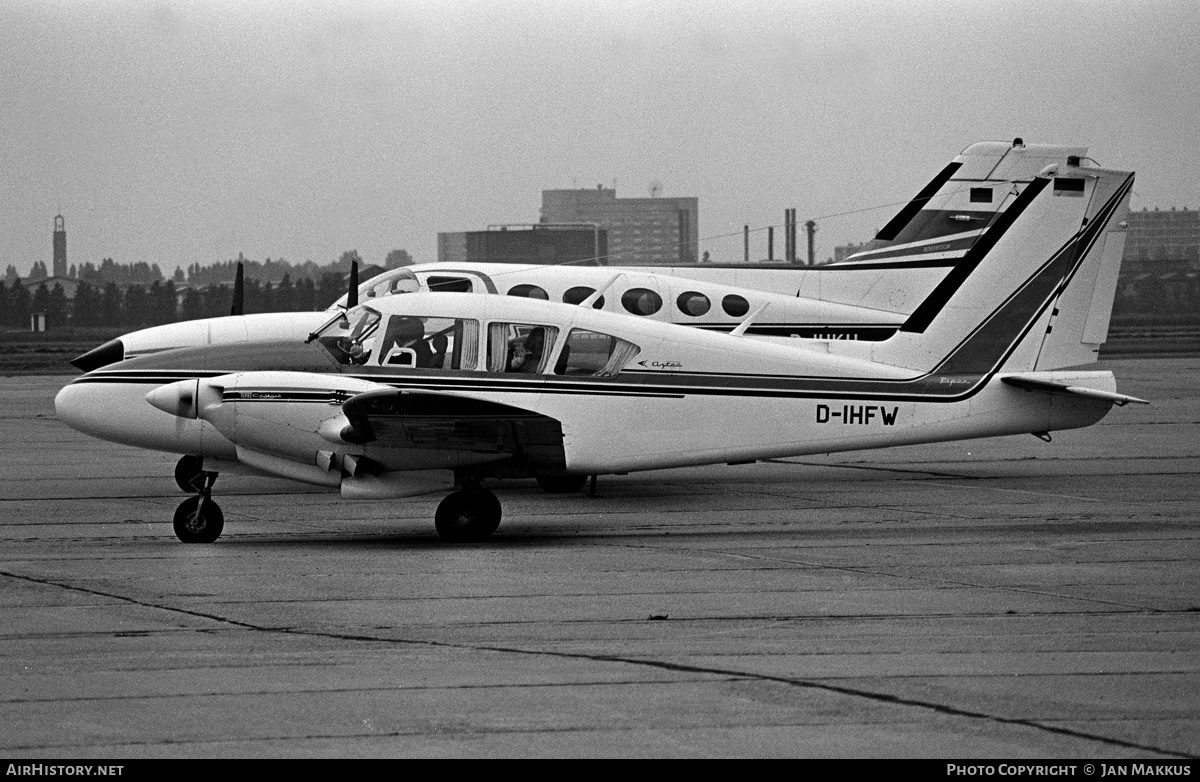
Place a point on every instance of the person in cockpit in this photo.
(526, 355)
(404, 333)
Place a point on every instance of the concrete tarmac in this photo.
(1002, 598)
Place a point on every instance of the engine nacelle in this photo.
(186, 398)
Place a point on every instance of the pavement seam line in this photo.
(663, 665)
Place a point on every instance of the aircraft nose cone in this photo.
(74, 407)
(109, 353)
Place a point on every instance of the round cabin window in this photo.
(529, 292)
(578, 294)
(693, 303)
(735, 306)
(641, 301)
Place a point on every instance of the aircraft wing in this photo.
(392, 418)
(1050, 386)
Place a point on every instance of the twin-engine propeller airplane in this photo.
(866, 297)
(400, 393)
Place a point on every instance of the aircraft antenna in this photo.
(590, 300)
(745, 324)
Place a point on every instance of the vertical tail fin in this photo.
(1033, 290)
(960, 204)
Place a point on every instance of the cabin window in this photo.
(429, 343)
(641, 301)
(578, 294)
(693, 303)
(448, 284)
(529, 292)
(981, 195)
(593, 354)
(735, 306)
(522, 348)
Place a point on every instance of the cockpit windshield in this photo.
(349, 336)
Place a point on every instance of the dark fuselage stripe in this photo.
(894, 226)
(924, 314)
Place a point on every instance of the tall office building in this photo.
(640, 231)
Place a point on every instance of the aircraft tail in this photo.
(1034, 289)
(941, 223)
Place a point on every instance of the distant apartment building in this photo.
(1158, 238)
(640, 231)
(537, 243)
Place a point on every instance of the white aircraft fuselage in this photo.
(687, 397)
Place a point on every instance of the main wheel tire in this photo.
(196, 523)
(467, 516)
(561, 484)
(189, 473)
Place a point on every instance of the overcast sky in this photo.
(181, 132)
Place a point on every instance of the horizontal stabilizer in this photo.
(1050, 386)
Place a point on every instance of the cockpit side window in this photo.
(520, 347)
(350, 337)
(430, 343)
(592, 353)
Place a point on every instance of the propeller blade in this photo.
(238, 292)
(352, 295)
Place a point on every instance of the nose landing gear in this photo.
(199, 519)
(189, 473)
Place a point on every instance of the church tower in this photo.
(60, 247)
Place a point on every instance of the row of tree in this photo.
(108, 271)
(141, 273)
(138, 306)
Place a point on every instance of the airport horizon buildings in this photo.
(641, 231)
(1159, 238)
(654, 231)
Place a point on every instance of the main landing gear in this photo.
(469, 514)
(472, 513)
(199, 519)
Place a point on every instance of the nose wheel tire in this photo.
(467, 516)
(198, 520)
